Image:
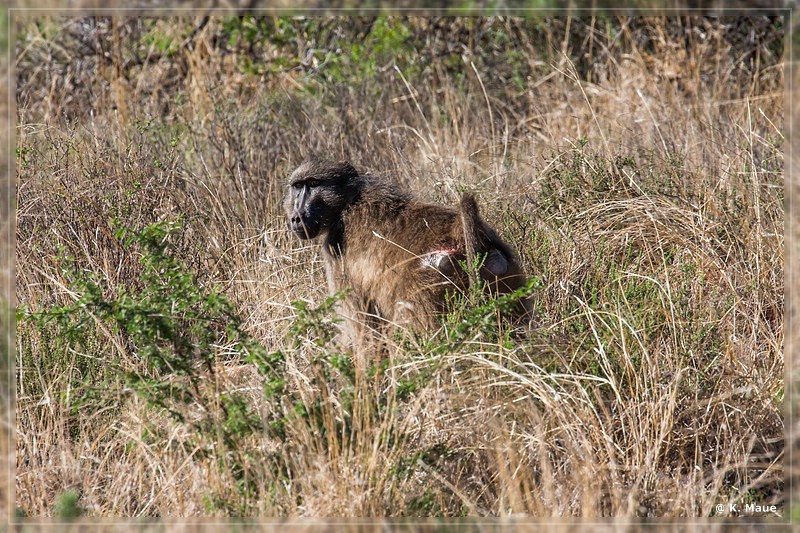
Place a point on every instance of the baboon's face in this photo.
(306, 208)
(318, 193)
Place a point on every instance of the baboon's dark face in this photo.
(306, 209)
(318, 193)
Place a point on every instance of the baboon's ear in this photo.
(345, 169)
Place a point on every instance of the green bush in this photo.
(175, 330)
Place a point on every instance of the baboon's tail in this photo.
(470, 220)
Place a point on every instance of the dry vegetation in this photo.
(165, 368)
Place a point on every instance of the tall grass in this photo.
(175, 348)
(6, 279)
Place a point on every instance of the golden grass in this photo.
(637, 165)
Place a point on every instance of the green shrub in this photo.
(175, 330)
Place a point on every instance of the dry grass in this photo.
(637, 164)
(6, 282)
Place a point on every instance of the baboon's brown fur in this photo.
(398, 256)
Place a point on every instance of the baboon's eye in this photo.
(312, 183)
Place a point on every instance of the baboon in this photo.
(398, 256)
